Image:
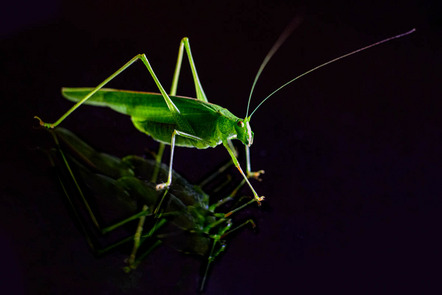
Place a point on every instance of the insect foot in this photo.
(256, 175)
(162, 186)
(43, 124)
(130, 267)
(259, 200)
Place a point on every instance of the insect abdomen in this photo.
(162, 132)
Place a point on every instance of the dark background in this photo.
(351, 152)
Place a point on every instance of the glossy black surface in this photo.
(351, 152)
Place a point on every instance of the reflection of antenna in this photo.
(329, 62)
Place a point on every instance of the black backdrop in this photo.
(351, 152)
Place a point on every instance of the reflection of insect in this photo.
(179, 120)
(180, 217)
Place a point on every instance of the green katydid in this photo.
(184, 121)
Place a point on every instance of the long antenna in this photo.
(329, 62)
(285, 34)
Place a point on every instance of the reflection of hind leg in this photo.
(217, 240)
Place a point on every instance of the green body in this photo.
(150, 114)
(169, 119)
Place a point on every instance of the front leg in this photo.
(235, 161)
(250, 173)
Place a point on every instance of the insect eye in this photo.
(240, 124)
